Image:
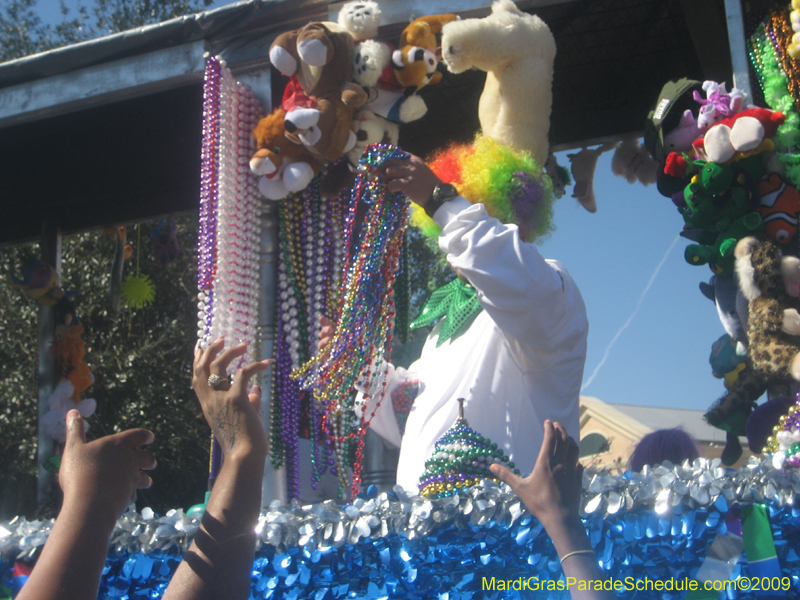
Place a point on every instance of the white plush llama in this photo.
(517, 51)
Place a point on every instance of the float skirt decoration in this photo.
(656, 526)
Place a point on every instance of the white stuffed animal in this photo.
(583, 166)
(361, 18)
(517, 51)
(632, 161)
(372, 66)
(60, 402)
(371, 129)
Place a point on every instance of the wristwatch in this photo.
(441, 194)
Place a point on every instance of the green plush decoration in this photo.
(137, 291)
(714, 195)
(715, 179)
(719, 254)
(721, 210)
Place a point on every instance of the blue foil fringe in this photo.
(655, 525)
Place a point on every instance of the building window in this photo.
(594, 443)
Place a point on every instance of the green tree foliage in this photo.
(19, 355)
(141, 360)
(22, 31)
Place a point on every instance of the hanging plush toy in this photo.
(415, 62)
(731, 411)
(517, 51)
(371, 128)
(373, 70)
(38, 281)
(164, 238)
(320, 98)
(558, 174)
(779, 206)
(285, 164)
(122, 252)
(746, 132)
(583, 166)
(718, 104)
(59, 403)
(68, 351)
(138, 291)
(771, 283)
(633, 162)
(731, 305)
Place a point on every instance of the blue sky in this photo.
(651, 329)
(661, 357)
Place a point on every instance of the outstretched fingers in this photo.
(506, 476)
(76, 432)
(242, 377)
(203, 358)
(549, 444)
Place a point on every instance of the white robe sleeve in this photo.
(532, 300)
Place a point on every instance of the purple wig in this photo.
(674, 445)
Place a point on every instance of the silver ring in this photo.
(214, 380)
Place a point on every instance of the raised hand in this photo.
(410, 176)
(553, 490)
(232, 416)
(100, 478)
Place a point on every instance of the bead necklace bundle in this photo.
(228, 233)
(460, 459)
(784, 442)
(229, 230)
(781, 88)
(309, 276)
(364, 333)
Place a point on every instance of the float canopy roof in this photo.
(108, 131)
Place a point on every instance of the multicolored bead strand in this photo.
(783, 443)
(309, 266)
(364, 330)
(461, 458)
(777, 90)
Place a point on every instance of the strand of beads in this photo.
(784, 442)
(776, 88)
(236, 280)
(363, 334)
(287, 395)
(229, 224)
(779, 33)
(207, 230)
(309, 260)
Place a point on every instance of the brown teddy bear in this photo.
(416, 60)
(320, 98)
(771, 284)
(286, 165)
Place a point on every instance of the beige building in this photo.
(609, 432)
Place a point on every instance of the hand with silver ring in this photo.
(214, 380)
(232, 415)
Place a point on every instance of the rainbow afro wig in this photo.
(508, 182)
